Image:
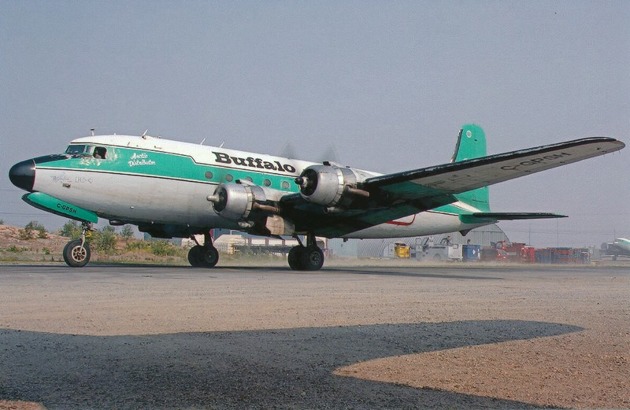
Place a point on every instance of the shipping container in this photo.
(471, 253)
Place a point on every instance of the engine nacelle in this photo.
(330, 185)
(253, 207)
(235, 201)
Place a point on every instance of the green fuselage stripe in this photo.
(156, 164)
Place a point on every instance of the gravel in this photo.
(347, 337)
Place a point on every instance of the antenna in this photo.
(144, 134)
(92, 131)
(221, 146)
(202, 141)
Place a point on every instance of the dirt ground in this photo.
(587, 368)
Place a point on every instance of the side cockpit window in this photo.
(100, 152)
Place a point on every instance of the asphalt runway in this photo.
(262, 337)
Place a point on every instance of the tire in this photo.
(75, 255)
(312, 258)
(202, 257)
(195, 256)
(209, 257)
(295, 257)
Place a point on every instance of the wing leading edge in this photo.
(457, 177)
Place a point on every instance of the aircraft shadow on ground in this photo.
(423, 272)
(411, 272)
(145, 269)
(267, 368)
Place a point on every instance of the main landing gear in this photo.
(77, 253)
(308, 257)
(203, 256)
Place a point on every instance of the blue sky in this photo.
(386, 85)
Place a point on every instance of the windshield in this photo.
(79, 150)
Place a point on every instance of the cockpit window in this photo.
(78, 150)
(86, 151)
(100, 152)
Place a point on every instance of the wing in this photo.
(393, 196)
(464, 176)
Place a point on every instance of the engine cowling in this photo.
(330, 186)
(254, 208)
(235, 201)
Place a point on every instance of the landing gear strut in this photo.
(203, 256)
(308, 257)
(77, 253)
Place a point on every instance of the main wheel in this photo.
(295, 257)
(195, 256)
(202, 257)
(209, 257)
(75, 254)
(312, 258)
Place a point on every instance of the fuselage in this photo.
(154, 181)
(623, 243)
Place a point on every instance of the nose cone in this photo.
(22, 175)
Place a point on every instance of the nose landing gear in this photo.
(77, 252)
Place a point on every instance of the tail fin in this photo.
(472, 144)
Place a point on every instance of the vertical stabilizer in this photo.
(471, 144)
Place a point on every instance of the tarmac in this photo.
(123, 336)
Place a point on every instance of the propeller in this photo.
(330, 154)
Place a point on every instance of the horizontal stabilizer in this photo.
(506, 216)
(509, 216)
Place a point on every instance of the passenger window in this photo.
(285, 185)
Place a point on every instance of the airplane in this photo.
(620, 246)
(175, 189)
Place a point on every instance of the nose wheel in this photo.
(77, 252)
